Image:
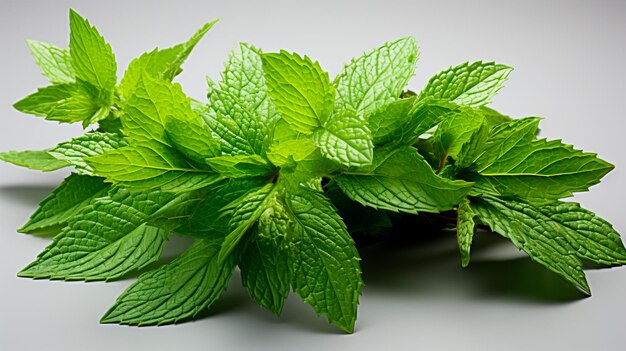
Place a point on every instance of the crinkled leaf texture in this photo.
(326, 264)
(468, 84)
(178, 290)
(106, 239)
(400, 179)
(66, 201)
(558, 235)
(516, 163)
(250, 174)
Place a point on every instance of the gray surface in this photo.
(569, 59)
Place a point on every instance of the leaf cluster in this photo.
(266, 172)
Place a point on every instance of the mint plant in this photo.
(257, 172)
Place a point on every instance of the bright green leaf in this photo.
(377, 78)
(64, 203)
(106, 239)
(556, 236)
(468, 84)
(346, 139)
(164, 63)
(76, 150)
(300, 89)
(465, 230)
(37, 160)
(55, 63)
(92, 57)
(400, 179)
(515, 163)
(178, 290)
(326, 264)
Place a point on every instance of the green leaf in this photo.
(240, 113)
(164, 64)
(144, 166)
(191, 138)
(85, 104)
(300, 89)
(346, 139)
(244, 215)
(151, 159)
(493, 117)
(290, 151)
(468, 84)
(404, 121)
(178, 290)
(75, 151)
(37, 160)
(461, 136)
(65, 202)
(155, 102)
(465, 229)
(515, 163)
(92, 57)
(265, 266)
(326, 264)
(243, 78)
(106, 239)
(209, 219)
(377, 78)
(42, 102)
(400, 179)
(556, 236)
(240, 166)
(55, 63)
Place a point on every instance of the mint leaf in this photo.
(493, 117)
(192, 138)
(240, 112)
(326, 264)
(178, 290)
(209, 219)
(246, 212)
(164, 63)
(400, 179)
(67, 200)
(37, 160)
(556, 236)
(539, 171)
(154, 103)
(461, 136)
(244, 79)
(42, 102)
(377, 78)
(465, 229)
(404, 121)
(240, 166)
(291, 151)
(346, 139)
(75, 151)
(265, 265)
(82, 105)
(300, 89)
(106, 239)
(92, 57)
(151, 159)
(144, 166)
(468, 84)
(55, 63)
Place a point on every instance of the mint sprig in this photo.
(280, 167)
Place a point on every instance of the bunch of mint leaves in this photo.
(256, 174)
